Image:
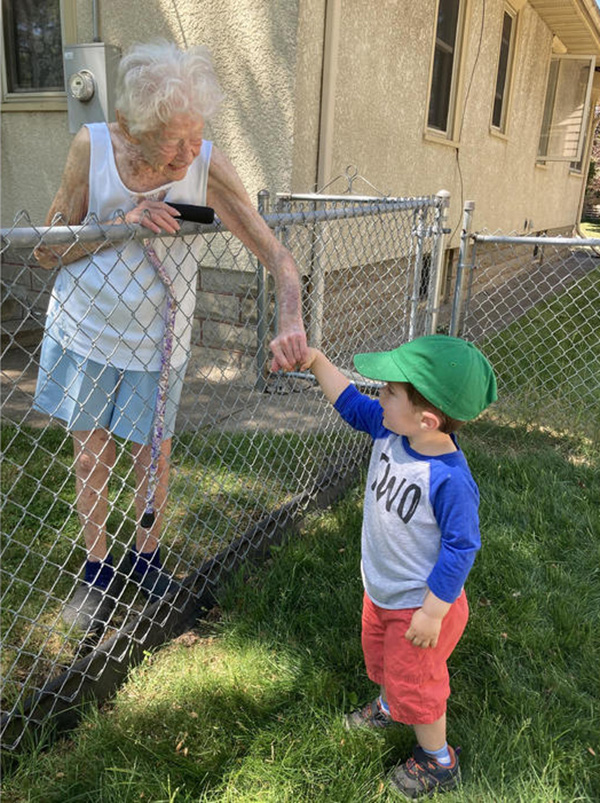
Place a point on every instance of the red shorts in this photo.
(415, 679)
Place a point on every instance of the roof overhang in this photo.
(575, 22)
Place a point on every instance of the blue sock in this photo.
(99, 573)
(142, 561)
(383, 706)
(442, 756)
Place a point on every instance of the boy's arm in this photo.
(358, 410)
(460, 541)
(332, 381)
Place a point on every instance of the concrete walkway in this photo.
(289, 404)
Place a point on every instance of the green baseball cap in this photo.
(452, 374)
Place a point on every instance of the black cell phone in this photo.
(196, 214)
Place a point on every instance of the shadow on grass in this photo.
(222, 484)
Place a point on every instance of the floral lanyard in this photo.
(149, 516)
(196, 214)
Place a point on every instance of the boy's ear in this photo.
(430, 421)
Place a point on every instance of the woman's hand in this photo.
(289, 348)
(157, 216)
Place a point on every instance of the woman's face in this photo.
(172, 148)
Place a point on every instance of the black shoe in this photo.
(423, 776)
(155, 583)
(91, 607)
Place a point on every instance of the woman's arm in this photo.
(228, 197)
(70, 203)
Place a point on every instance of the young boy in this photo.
(420, 534)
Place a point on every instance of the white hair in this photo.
(157, 80)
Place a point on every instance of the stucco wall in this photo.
(253, 43)
(380, 115)
(269, 56)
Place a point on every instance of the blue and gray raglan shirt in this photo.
(420, 523)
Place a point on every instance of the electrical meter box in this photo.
(90, 80)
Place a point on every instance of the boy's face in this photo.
(399, 414)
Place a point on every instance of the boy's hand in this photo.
(424, 629)
(426, 622)
(311, 356)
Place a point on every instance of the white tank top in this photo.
(110, 308)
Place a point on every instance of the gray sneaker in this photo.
(422, 776)
(90, 607)
(370, 716)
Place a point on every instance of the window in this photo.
(34, 32)
(33, 45)
(446, 65)
(503, 77)
(566, 109)
(577, 165)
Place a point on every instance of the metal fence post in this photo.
(317, 290)
(419, 233)
(262, 306)
(437, 260)
(462, 261)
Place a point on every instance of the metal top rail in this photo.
(112, 233)
(578, 242)
(91, 232)
(375, 199)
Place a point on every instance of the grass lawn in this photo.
(249, 705)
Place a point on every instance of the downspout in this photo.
(591, 14)
(331, 39)
(316, 274)
(96, 20)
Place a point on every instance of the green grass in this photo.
(249, 706)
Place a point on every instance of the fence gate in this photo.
(532, 304)
(251, 452)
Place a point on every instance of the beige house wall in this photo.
(270, 56)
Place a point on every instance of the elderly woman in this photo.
(102, 349)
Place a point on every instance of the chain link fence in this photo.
(532, 304)
(252, 452)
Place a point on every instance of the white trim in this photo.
(328, 87)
